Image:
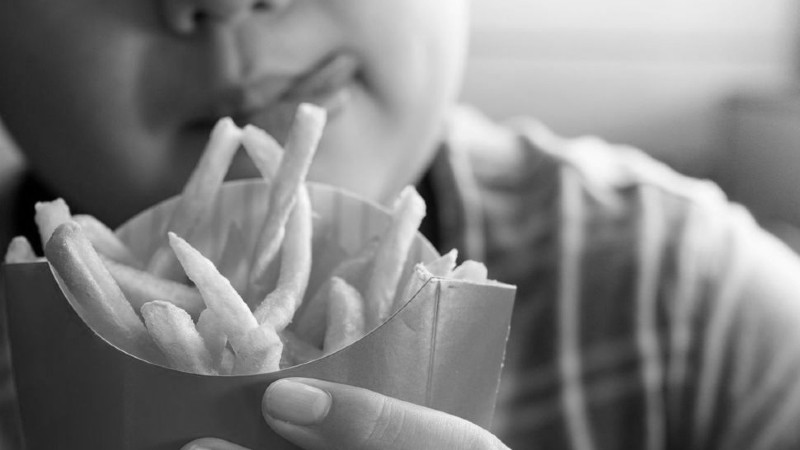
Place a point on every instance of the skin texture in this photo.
(112, 100)
(318, 415)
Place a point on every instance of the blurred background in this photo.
(711, 87)
(708, 86)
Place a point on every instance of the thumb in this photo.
(317, 414)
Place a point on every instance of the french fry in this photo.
(310, 320)
(229, 338)
(257, 351)
(279, 306)
(443, 265)
(174, 332)
(200, 190)
(263, 149)
(141, 287)
(105, 241)
(471, 270)
(420, 276)
(101, 302)
(213, 335)
(408, 212)
(257, 348)
(227, 361)
(49, 215)
(345, 316)
(20, 251)
(296, 350)
(232, 312)
(301, 145)
(233, 264)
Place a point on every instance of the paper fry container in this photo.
(443, 349)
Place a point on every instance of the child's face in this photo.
(113, 100)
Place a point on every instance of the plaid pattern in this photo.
(651, 313)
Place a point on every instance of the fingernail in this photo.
(296, 403)
(195, 447)
(210, 444)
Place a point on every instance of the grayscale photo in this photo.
(399, 224)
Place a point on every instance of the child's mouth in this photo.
(329, 84)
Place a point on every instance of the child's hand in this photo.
(316, 414)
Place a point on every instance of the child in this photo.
(650, 313)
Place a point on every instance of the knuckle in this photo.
(385, 427)
(484, 440)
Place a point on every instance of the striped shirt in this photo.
(651, 313)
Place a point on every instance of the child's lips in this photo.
(329, 84)
(324, 85)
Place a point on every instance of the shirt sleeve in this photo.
(741, 384)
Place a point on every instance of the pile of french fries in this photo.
(178, 309)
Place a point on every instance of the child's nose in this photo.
(186, 16)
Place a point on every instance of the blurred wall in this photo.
(9, 159)
(649, 73)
